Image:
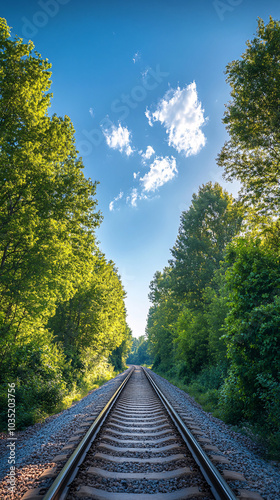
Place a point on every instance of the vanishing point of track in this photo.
(138, 448)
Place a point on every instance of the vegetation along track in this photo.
(139, 448)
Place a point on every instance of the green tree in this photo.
(192, 340)
(252, 120)
(133, 349)
(199, 341)
(252, 390)
(61, 303)
(47, 209)
(215, 310)
(119, 355)
(205, 229)
(92, 323)
(139, 354)
(161, 320)
(182, 326)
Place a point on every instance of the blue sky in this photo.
(144, 85)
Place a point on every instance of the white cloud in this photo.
(136, 56)
(91, 112)
(162, 170)
(149, 115)
(149, 152)
(181, 114)
(135, 196)
(112, 203)
(135, 175)
(119, 138)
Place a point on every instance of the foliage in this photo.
(215, 310)
(161, 331)
(205, 229)
(118, 356)
(253, 326)
(47, 214)
(139, 354)
(215, 315)
(252, 120)
(61, 303)
(192, 340)
(183, 325)
(203, 387)
(37, 373)
(199, 341)
(92, 323)
(47, 211)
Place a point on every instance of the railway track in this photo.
(139, 448)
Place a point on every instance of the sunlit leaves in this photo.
(252, 120)
(181, 321)
(253, 325)
(206, 227)
(61, 302)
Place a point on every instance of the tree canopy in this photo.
(179, 323)
(61, 301)
(215, 315)
(252, 120)
(211, 221)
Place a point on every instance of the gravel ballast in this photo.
(128, 473)
(39, 444)
(261, 476)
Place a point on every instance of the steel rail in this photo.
(59, 488)
(219, 487)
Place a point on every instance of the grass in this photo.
(268, 443)
(34, 406)
(207, 398)
(101, 374)
(204, 388)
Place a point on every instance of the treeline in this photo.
(214, 323)
(139, 352)
(62, 310)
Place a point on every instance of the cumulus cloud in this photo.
(148, 153)
(162, 170)
(112, 203)
(119, 138)
(181, 114)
